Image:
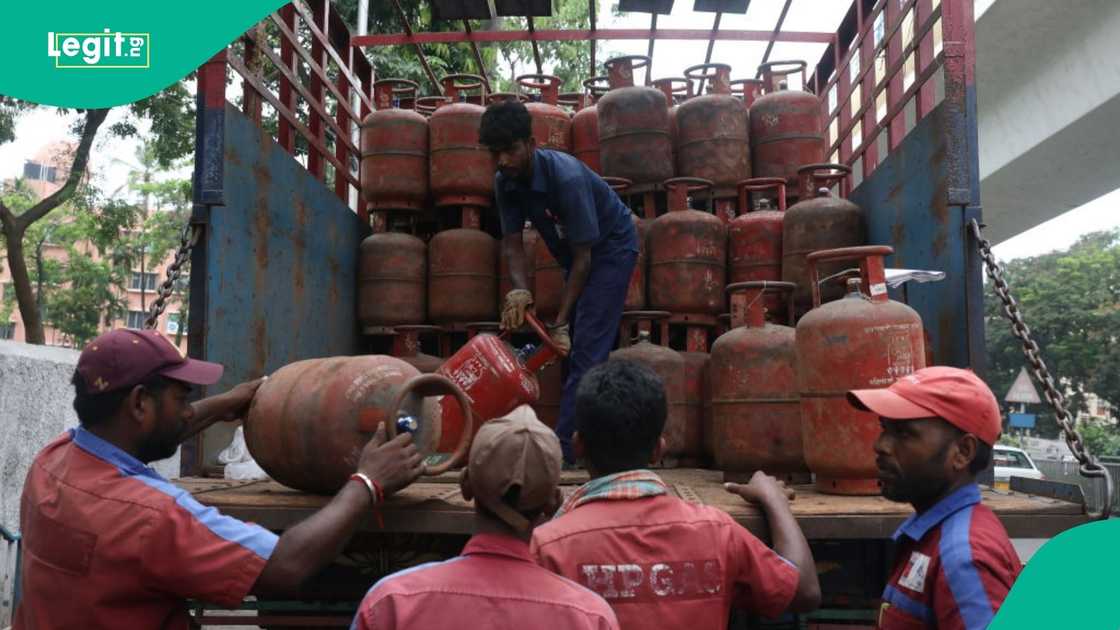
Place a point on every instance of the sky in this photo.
(111, 156)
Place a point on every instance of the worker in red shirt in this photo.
(659, 561)
(954, 562)
(109, 543)
(512, 476)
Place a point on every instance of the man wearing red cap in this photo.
(109, 543)
(954, 562)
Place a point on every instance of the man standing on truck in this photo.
(954, 562)
(513, 475)
(109, 543)
(585, 226)
(660, 561)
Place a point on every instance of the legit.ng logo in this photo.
(107, 49)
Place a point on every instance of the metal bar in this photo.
(316, 138)
(315, 67)
(708, 55)
(449, 37)
(287, 62)
(318, 33)
(343, 142)
(419, 50)
(888, 35)
(591, 41)
(649, 53)
(774, 37)
(536, 49)
(250, 100)
(477, 57)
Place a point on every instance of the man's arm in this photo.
(513, 249)
(577, 278)
(227, 406)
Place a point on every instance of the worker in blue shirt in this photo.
(585, 226)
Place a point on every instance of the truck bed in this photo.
(434, 505)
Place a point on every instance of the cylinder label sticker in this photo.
(879, 288)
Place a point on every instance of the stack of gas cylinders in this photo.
(755, 297)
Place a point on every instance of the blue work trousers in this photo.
(594, 329)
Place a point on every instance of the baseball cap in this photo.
(123, 358)
(514, 450)
(958, 396)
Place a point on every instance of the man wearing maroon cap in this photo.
(109, 543)
(512, 475)
(954, 562)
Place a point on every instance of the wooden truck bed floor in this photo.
(434, 505)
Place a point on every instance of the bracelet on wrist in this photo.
(376, 494)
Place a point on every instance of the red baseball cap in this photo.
(123, 358)
(955, 395)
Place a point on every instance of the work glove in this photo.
(516, 304)
(560, 336)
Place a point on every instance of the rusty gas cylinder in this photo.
(394, 166)
(500, 97)
(494, 377)
(712, 138)
(406, 347)
(548, 282)
(756, 414)
(636, 290)
(786, 129)
(462, 273)
(529, 238)
(426, 106)
(462, 170)
(754, 239)
(551, 125)
(309, 422)
(864, 340)
(669, 365)
(748, 90)
(687, 254)
(696, 394)
(676, 91)
(392, 278)
(585, 126)
(551, 381)
(816, 223)
(634, 138)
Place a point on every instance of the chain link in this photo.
(1090, 468)
(187, 242)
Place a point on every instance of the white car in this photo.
(1012, 462)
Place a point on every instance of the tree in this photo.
(1071, 301)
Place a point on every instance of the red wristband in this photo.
(376, 494)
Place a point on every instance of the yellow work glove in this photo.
(516, 304)
(560, 336)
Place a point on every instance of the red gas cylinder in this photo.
(551, 380)
(687, 254)
(676, 91)
(669, 365)
(406, 347)
(498, 97)
(462, 170)
(636, 291)
(858, 342)
(712, 132)
(309, 421)
(756, 417)
(392, 278)
(548, 282)
(816, 223)
(426, 106)
(462, 273)
(786, 128)
(754, 239)
(634, 127)
(747, 89)
(529, 238)
(495, 378)
(696, 394)
(585, 126)
(394, 167)
(551, 125)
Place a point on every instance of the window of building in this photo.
(136, 319)
(173, 323)
(42, 172)
(8, 330)
(149, 279)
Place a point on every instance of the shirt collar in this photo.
(111, 453)
(498, 545)
(918, 525)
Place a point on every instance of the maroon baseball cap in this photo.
(123, 358)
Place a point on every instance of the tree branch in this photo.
(94, 118)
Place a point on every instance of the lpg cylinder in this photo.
(406, 347)
(712, 132)
(551, 125)
(426, 106)
(394, 167)
(786, 129)
(676, 90)
(756, 417)
(669, 365)
(551, 381)
(636, 290)
(309, 422)
(494, 377)
(462, 273)
(392, 278)
(498, 97)
(821, 222)
(864, 340)
(687, 254)
(696, 394)
(529, 237)
(548, 282)
(634, 138)
(747, 89)
(462, 170)
(754, 239)
(585, 126)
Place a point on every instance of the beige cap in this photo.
(515, 450)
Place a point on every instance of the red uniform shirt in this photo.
(954, 567)
(664, 563)
(109, 543)
(493, 584)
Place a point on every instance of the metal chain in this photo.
(1090, 468)
(187, 242)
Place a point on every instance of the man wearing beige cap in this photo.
(513, 476)
(954, 563)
